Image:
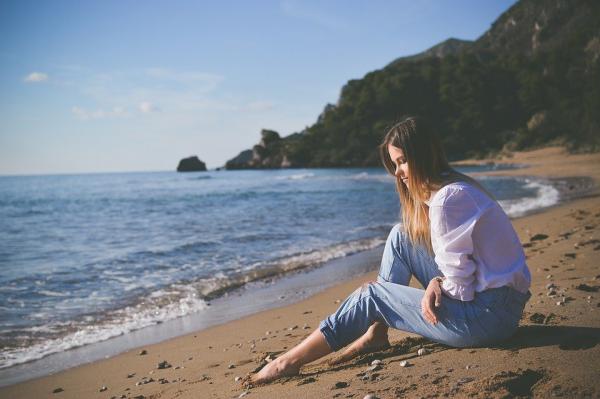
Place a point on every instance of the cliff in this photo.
(530, 80)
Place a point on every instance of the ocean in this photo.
(84, 258)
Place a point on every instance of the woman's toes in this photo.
(276, 369)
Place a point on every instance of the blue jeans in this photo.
(492, 316)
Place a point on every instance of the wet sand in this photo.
(555, 352)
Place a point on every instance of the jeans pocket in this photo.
(497, 323)
(493, 297)
(516, 300)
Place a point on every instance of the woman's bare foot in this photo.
(373, 340)
(278, 368)
(311, 348)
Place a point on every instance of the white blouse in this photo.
(474, 242)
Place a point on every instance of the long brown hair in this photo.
(429, 170)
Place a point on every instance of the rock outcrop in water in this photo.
(270, 153)
(191, 164)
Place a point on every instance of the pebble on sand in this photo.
(231, 366)
(57, 390)
(143, 352)
(404, 363)
(144, 381)
(370, 396)
(104, 388)
(163, 365)
(422, 352)
(538, 237)
(375, 362)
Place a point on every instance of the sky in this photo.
(109, 86)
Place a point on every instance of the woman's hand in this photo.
(431, 300)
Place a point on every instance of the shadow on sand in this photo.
(566, 337)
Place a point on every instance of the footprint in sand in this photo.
(509, 383)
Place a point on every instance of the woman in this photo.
(455, 240)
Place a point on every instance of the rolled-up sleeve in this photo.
(453, 216)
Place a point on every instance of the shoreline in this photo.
(56, 355)
(584, 190)
(285, 288)
(254, 297)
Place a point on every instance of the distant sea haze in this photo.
(88, 257)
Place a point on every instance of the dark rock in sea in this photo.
(191, 164)
(241, 161)
(272, 152)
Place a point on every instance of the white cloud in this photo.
(178, 91)
(146, 107)
(36, 77)
(84, 114)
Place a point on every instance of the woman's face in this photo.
(400, 161)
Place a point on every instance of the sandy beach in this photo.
(554, 353)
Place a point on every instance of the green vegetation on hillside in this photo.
(532, 79)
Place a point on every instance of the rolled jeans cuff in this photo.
(327, 332)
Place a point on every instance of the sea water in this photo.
(84, 258)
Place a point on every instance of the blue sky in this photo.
(102, 86)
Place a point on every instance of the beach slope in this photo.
(556, 351)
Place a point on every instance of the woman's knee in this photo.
(365, 289)
(394, 263)
(397, 237)
(397, 230)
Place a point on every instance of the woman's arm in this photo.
(453, 217)
(432, 299)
